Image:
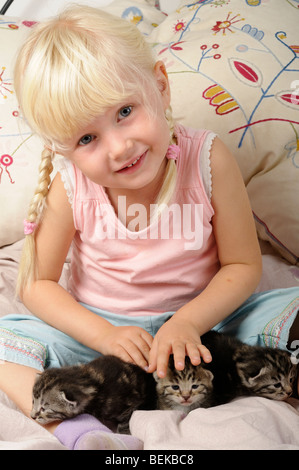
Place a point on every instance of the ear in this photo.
(260, 373)
(210, 374)
(70, 403)
(163, 83)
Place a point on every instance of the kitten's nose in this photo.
(186, 396)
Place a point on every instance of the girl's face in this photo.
(125, 147)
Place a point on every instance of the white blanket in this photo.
(244, 424)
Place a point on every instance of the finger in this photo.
(138, 351)
(142, 347)
(147, 338)
(152, 361)
(205, 353)
(192, 350)
(162, 364)
(162, 357)
(123, 355)
(179, 353)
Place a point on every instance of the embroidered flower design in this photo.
(175, 47)
(5, 161)
(220, 99)
(133, 14)
(226, 24)
(179, 26)
(4, 85)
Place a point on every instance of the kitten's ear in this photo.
(155, 375)
(250, 380)
(209, 374)
(261, 372)
(70, 403)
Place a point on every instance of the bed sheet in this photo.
(240, 424)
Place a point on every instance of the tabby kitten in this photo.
(111, 389)
(241, 369)
(107, 388)
(265, 372)
(184, 390)
(236, 370)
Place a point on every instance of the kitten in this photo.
(107, 388)
(241, 369)
(265, 372)
(111, 389)
(184, 390)
(236, 370)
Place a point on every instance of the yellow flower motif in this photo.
(220, 99)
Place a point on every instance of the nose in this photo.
(186, 396)
(119, 146)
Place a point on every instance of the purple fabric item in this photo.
(87, 433)
(69, 431)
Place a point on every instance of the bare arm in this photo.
(240, 271)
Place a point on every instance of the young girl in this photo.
(156, 214)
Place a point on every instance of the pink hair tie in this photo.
(29, 227)
(173, 152)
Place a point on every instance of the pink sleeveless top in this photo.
(157, 269)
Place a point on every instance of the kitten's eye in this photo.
(86, 139)
(195, 386)
(175, 387)
(277, 385)
(125, 112)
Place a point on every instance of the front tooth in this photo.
(133, 163)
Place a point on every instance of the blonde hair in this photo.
(69, 71)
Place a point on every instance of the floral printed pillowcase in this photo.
(233, 66)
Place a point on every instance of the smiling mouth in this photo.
(135, 162)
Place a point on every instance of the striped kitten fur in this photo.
(111, 389)
(185, 390)
(236, 370)
(107, 388)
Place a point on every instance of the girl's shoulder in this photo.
(66, 170)
(189, 133)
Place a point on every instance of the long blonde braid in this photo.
(28, 266)
(169, 183)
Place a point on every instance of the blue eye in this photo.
(86, 139)
(125, 112)
(175, 387)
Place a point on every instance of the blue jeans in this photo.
(264, 319)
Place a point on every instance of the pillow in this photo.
(140, 12)
(20, 151)
(233, 68)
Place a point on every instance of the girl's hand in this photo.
(180, 338)
(129, 343)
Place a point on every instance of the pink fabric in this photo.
(29, 227)
(138, 273)
(173, 152)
